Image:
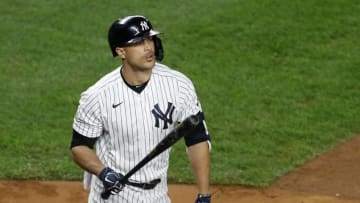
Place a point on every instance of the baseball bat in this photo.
(184, 128)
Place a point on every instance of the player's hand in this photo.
(112, 181)
(203, 198)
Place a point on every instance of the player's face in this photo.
(140, 55)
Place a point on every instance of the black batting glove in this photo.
(203, 198)
(112, 181)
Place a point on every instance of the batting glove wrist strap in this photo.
(112, 181)
(203, 198)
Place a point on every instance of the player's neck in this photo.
(135, 77)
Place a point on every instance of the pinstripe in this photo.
(127, 132)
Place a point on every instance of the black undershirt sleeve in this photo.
(80, 140)
(199, 135)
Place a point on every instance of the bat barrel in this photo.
(191, 121)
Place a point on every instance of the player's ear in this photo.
(120, 52)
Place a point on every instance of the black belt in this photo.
(146, 186)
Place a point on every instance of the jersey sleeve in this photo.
(87, 120)
(191, 106)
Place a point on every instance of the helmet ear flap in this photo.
(159, 51)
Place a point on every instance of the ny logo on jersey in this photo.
(144, 25)
(166, 117)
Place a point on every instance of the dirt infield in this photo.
(331, 178)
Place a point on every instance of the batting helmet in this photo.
(132, 29)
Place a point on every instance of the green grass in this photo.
(278, 80)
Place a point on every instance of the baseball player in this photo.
(128, 112)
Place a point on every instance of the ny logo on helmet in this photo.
(144, 25)
(160, 115)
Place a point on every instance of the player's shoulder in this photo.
(104, 82)
(162, 70)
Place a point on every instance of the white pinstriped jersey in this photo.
(129, 125)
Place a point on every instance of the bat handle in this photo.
(106, 193)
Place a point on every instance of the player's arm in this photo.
(199, 157)
(84, 155)
(86, 158)
(198, 144)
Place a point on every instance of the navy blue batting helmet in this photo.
(132, 29)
